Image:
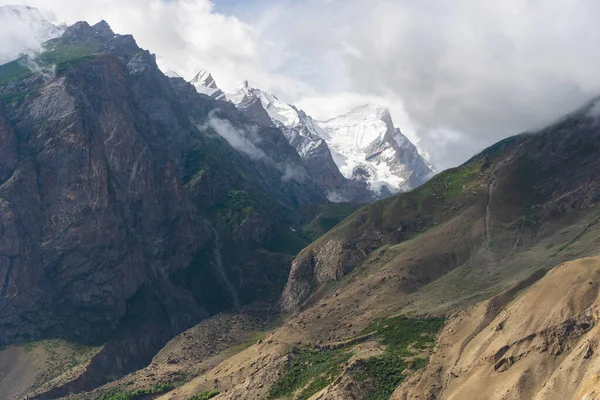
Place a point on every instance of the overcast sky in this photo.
(456, 75)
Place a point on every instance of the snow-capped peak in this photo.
(360, 127)
(206, 84)
(278, 111)
(205, 79)
(366, 146)
(28, 29)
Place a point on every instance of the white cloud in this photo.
(457, 75)
(236, 138)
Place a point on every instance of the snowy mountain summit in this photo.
(359, 156)
(305, 135)
(205, 84)
(366, 146)
(26, 29)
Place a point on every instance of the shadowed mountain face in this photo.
(90, 190)
(130, 204)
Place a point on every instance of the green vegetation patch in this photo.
(285, 241)
(205, 395)
(319, 219)
(445, 186)
(235, 208)
(56, 53)
(308, 371)
(139, 393)
(63, 55)
(14, 70)
(382, 374)
(398, 333)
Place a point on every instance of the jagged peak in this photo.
(103, 28)
(204, 78)
(204, 83)
(82, 28)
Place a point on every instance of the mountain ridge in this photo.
(386, 164)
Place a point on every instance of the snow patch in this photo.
(277, 110)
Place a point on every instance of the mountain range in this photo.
(355, 157)
(160, 238)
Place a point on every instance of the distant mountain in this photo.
(366, 146)
(305, 135)
(28, 30)
(359, 156)
(205, 84)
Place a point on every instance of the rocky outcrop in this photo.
(90, 207)
(323, 263)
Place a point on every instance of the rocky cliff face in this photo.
(125, 216)
(89, 194)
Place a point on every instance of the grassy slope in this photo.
(57, 56)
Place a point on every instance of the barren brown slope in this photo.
(542, 345)
(35, 367)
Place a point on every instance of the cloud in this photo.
(18, 35)
(235, 137)
(466, 73)
(457, 75)
(186, 35)
(246, 140)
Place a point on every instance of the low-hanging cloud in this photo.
(246, 140)
(17, 35)
(235, 137)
